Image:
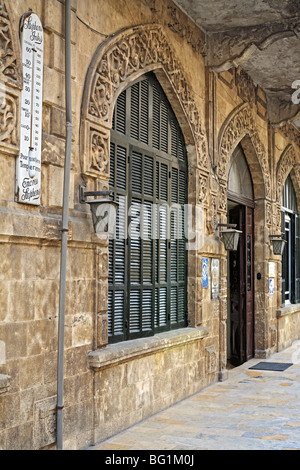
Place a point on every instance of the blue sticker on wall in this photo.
(205, 272)
(271, 286)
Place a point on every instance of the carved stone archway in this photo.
(288, 164)
(240, 127)
(116, 63)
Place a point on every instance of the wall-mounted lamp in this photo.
(104, 210)
(230, 237)
(278, 244)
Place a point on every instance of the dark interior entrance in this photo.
(241, 287)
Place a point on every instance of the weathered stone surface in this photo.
(110, 387)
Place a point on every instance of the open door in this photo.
(241, 288)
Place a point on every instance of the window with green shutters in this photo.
(148, 177)
(291, 254)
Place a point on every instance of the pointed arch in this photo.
(287, 164)
(118, 62)
(240, 127)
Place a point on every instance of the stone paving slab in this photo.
(252, 410)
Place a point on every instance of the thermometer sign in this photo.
(29, 161)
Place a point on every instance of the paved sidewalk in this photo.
(252, 410)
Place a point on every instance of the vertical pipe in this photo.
(65, 228)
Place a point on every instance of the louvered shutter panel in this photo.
(117, 248)
(135, 108)
(120, 117)
(284, 260)
(297, 259)
(144, 116)
(147, 283)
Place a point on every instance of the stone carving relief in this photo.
(100, 153)
(290, 134)
(9, 69)
(202, 189)
(179, 26)
(10, 82)
(239, 124)
(8, 118)
(287, 162)
(122, 60)
(212, 214)
(245, 86)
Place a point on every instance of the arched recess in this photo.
(118, 62)
(287, 164)
(240, 128)
(10, 80)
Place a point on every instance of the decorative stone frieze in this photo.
(178, 25)
(116, 63)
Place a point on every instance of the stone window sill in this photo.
(115, 354)
(288, 310)
(4, 383)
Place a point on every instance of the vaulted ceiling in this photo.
(260, 36)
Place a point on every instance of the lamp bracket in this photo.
(83, 194)
(226, 225)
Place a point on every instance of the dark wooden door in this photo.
(249, 281)
(242, 288)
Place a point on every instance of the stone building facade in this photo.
(112, 385)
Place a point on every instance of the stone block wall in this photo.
(107, 388)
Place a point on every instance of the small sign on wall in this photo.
(205, 272)
(271, 278)
(215, 278)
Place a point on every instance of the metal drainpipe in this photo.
(65, 228)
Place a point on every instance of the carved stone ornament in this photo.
(99, 153)
(286, 162)
(8, 118)
(9, 67)
(245, 86)
(290, 134)
(239, 124)
(212, 214)
(10, 84)
(121, 60)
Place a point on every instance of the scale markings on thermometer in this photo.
(29, 161)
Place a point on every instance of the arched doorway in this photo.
(240, 327)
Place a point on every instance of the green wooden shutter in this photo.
(297, 259)
(284, 261)
(147, 271)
